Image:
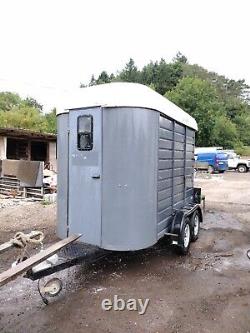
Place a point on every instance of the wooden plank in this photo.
(9, 186)
(5, 246)
(8, 245)
(24, 266)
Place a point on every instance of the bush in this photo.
(243, 150)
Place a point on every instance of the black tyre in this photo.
(242, 168)
(195, 225)
(184, 238)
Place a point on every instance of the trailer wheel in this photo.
(184, 237)
(195, 226)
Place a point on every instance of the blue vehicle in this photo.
(217, 161)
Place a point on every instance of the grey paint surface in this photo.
(129, 178)
(145, 164)
(62, 179)
(84, 190)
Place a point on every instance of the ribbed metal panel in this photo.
(175, 169)
(165, 173)
(189, 167)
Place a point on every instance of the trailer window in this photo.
(85, 132)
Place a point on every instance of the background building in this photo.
(20, 144)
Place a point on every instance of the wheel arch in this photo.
(181, 215)
(198, 208)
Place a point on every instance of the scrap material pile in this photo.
(21, 178)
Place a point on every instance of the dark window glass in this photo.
(85, 132)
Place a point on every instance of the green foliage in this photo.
(161, 75)
(31, 102)
(25, 113)
(130, 73)
(225, 133)
(8, 100)
(225, 87)
(180, 58)
(242, 122)
(199, 98)
(219, 105)
(102, 78)
(23, 117)
(221, 122)
(51, 121)
(243, 150)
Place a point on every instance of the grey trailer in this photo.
(125, 169)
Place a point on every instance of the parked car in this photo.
(237, 163)
(217, 161)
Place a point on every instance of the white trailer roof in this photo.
(124, 94)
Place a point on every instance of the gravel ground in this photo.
(206, 291)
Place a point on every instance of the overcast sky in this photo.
(50, 46)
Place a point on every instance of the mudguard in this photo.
(180, 216)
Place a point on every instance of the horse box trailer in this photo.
(125, 169)
(125, 180)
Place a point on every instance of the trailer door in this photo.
(85, 162)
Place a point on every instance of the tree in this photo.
(103, 78)
(225, 87)
(23, 116)
(199, 98)
(204, 94)
(31, 102)
(225, 133)
(242, 122)
(8, 100)
(149, 73)
(25, 113)
(130, 73)
(162, 76)
(168, 75)
(112, 77)
(180, 58)
(51, 121)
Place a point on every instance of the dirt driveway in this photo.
(206, 291)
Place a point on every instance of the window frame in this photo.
(86, 133)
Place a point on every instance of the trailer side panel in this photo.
(175, 170)
(129, 192)
(165, 174)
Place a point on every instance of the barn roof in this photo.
(26, 134)
(124, 94)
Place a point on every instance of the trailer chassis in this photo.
(54, 286)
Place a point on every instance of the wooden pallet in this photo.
(11, 186)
